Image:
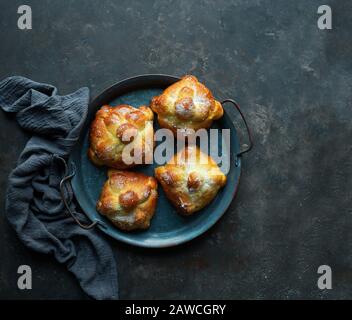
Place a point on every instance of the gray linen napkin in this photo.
(33, 203)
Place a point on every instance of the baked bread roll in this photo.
(128, 199)
(114, 129)
(186, 104)
(191, 180)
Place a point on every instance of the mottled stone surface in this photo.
(293, 211)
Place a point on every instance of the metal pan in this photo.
(168, 228)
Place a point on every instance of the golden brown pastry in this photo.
(128, 199)
(115, 128)
(186, 104)
(191, 179)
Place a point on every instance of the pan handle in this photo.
(67, 179)
(236, 105)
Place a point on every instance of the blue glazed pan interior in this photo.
(168, 228)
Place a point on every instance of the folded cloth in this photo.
(33, 203)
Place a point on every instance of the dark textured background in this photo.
(293, 211)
